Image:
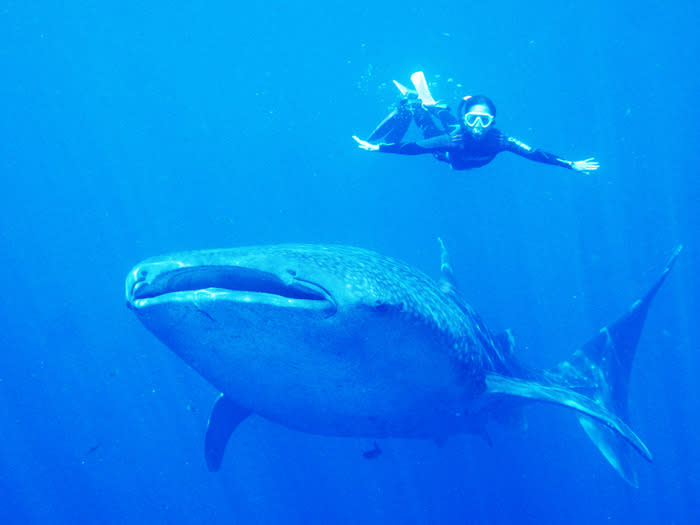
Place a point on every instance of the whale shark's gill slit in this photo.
(234, 279)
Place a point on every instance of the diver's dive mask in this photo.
(478, 118)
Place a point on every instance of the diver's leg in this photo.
(446, 117)
(392, 129)
(426, 122)
(434, 120)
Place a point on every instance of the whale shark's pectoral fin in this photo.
(224, 419)
(496, 384)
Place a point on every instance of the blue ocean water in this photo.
(130, 130)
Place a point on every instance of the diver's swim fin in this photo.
(403, 89)
(418, 79)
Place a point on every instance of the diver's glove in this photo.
(363, 144)
(584, 166)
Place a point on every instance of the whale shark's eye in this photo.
(382, 307)
(293, 273)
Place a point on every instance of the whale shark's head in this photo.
(283, 282)
(199, 302)
(211, 280)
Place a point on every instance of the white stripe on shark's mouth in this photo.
(224, 278)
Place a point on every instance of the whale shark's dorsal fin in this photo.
(448, 284)
(505, 342)
(225, 417)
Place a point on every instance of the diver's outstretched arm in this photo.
(438, 144)
(519, 148)
(584, 166)
(363, 144)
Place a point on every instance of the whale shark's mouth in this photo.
(230, 283)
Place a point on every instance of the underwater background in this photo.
(132, 129)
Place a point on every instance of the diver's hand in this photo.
(363, 144)
(586, 165)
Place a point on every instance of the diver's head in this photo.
(478, 114)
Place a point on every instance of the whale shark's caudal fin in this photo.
(601, 368)
(594, 382)
(559, 395)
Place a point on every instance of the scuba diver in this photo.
(470, 141)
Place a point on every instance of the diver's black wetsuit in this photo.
(464, 151)
(431, 120)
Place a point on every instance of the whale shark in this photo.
(343, 341)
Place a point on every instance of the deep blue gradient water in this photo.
(130, 129)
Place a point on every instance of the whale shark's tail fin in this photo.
(600, 369)
(594, 382)
(564, 396)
